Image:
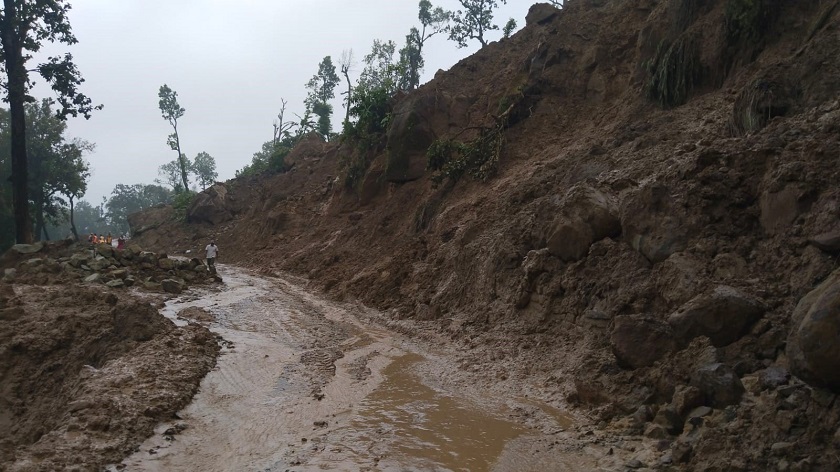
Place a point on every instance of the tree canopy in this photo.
(25, 25)
(204, 167)
(171, 111)
(473, 21)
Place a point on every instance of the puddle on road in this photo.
(424, 430)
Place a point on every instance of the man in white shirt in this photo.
(212, 251)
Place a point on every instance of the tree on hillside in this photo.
(171, 111)
(346, 63)
(433, 20)
(381, 71)
(24, 26)
(281, 126)
(170, 174)
(204, 167)
(473, 21)
(321, 90)
(508, 29)
(128, 199)
(381, 78)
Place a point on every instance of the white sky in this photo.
(230, 62)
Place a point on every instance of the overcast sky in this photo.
(231, 61)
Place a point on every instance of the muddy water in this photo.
(304, 385)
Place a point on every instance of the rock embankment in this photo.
(52, 263)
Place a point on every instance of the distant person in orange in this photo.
(109, 239)
(101, 239)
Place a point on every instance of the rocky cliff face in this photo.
(652, 229)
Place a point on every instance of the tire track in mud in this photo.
(303, 384)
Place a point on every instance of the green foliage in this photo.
(128, 199)
(354, 168)
(508, 29)
(170, 174)
(478, 158)
(433, 20)
(88, 219)
(171, 111)
(204, 168)
(321, 90)
(747, 21)
(674, 71)
(271, 158)
(57, 169)
(181, 202)
(473, 21)
(24, 27)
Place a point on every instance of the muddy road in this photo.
(308, 384)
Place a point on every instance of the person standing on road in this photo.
(212, 251)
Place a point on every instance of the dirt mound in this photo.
(86, 375)
(645, 192)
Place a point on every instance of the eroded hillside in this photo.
(645, 221)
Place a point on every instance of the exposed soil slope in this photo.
(640, 260)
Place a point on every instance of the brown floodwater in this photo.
(304, 385)
(417, 427)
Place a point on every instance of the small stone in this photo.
(681, 452)
(635, 464)
(773, 377)
(686, 398)
(655, 431)
(669, 420)
(781, 448)
(93, 278)
(828, 242)
(698, 413)
(116, 283)
(822, 397)
(719, 385)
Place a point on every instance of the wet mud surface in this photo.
(308, 384)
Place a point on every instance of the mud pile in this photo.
(86, 375)
(655, 241)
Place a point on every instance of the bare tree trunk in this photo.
(181, 161)
(40, 227)
(72, 221)
(17, 77)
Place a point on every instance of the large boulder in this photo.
(586, 215)
(541, 13)
(639, 341)
(724, 315)
(166, 264)
(409, 136)
(813, 345)
(210, 206)
(655, 223)
(27, 248)
(172, 286)
(781, 208)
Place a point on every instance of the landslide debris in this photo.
(87, 370)
(629, 206)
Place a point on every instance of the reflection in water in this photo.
(428, 431)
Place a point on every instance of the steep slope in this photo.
(640, 260)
